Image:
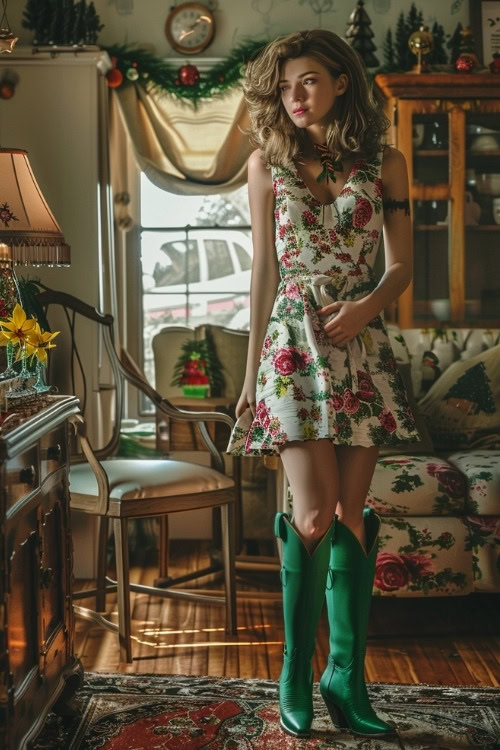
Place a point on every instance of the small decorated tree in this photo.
(198, 369)
(359, 35)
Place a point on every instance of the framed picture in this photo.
(485, 22)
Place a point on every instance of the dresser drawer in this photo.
(22, 475)
(52, 451)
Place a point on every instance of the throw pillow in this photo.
(463, 405)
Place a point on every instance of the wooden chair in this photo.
(123, 489)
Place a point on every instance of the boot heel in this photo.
(336, 714)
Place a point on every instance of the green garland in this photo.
(157, 74)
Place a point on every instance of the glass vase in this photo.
(9, 371)
(40, 384)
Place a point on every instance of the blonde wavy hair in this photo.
(358, 125)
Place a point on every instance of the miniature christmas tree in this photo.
(93, 24)
(453, 43)
(401, 44)
(389, 54)
(474, 387)
(68, 22)
(79, 24)
(31, 14)
(438, 55)
(404, 28)
(42, 31)
(62, 21)
(56, 25)
(359, 35)
(414, 19)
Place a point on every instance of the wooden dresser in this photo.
(37, 663)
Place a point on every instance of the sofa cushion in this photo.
(427, 557)
(482, 473)
(433, 350)
(463, 405)
(417, 486)
(484, 541)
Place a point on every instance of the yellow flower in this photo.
(38, 341)
(17, 327)
(3, 339)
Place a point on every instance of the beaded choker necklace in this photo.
(328, 163)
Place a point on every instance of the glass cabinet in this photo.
(448, 128)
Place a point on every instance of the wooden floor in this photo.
(452, 641)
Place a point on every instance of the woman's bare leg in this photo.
(312, 472)
(356, 465)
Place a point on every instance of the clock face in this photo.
(190, 28)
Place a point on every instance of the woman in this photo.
(322, 388)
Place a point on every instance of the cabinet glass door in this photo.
(429, 174)
(482, 218)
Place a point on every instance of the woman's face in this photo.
(308, 91)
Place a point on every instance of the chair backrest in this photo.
(231, 347)
(122, 368)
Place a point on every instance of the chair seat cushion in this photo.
(417, 486)
(137, 479)
(482, 471)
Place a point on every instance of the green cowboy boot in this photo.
(303, 577)
(348, 597)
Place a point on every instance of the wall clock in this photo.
(190, 28)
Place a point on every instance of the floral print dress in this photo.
(307, 387)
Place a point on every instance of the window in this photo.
(244, 257)
(196, 257)
(219, 261)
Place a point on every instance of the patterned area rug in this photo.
(161, 712)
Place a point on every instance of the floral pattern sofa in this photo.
(439, 499)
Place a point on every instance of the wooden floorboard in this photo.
(441, 641)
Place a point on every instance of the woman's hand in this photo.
(349, 319)
(247, 399)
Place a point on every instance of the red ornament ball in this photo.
(189, 75)
(6, 91)
(221, 79)
(115, 78)
(495, 63)
(464, 64)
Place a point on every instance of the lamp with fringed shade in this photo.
(27, 226)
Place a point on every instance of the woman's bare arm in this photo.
(265, 273)
(398, 240)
